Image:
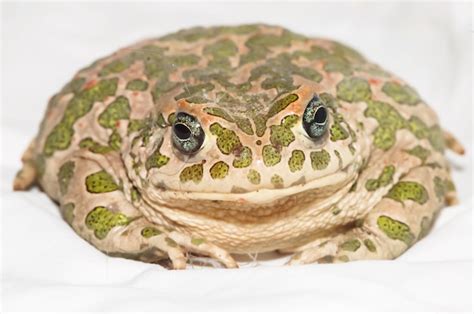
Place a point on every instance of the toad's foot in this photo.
(151, 243)
(356, 244)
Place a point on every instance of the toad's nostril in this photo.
(182, 131)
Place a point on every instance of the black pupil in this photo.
(181, 131)
(321, 115)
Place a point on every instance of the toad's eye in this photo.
(315, 118)
(187, 134)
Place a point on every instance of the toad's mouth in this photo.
(250, 207)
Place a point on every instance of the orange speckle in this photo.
(90, 84)
(373, 81)
(117, 124)
(135, 94)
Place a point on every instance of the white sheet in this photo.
(46, 266)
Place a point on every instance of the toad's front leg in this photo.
(96, 204)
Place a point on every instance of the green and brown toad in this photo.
(242, 139)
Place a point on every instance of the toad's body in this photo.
(241, 140)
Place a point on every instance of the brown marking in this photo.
(90, 84)
(374, 81)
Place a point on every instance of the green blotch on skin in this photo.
(372, 184)
(408, 190)
(260, 122)
(158, 66)
(389, 121)
(171, 242)
(327, 259)
(441, 187)
(61, 135)
(277, 181)
(156, 159)
(192, 173)
(343, 258)
(74, 86)
(315, 52)
(119, 109)
(65, 174)
(244, 124)
(386, 175)
(418, 127)
(433, 134)
(58, 139)
(296, 160)
(219, 170)
(338, 132)
(227, 140)
(136, 125)
(336, 211)
(68, 212)
(243, 159)
(338, 64)
(192, 90)
(93, 146)
(221, 51)
(221, 48)
(345, 51)
(271, 155)
(353, 187)
(40, 165)
(320, 160)
(281, 135)
(218, 112)
(100, 182)
(278, 74)
(137, 85)
(395, 229)
(281, 104)
(134, 194)
(329, 100)
(339, 158)
(197, 99)
(351, 245)
(353, 89)
(160, 121)
(197, 33)
(197, 241)
(384, 179)
(436, 138)
(254, 177)
(259, 45)
(149, 232)
(370, 245)
(425, 227)
(115, 141)
(420, 152)
(101, 220)
(114, 67)
(401, 94)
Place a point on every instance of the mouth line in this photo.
(260, 196)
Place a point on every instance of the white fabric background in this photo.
(46, 266)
